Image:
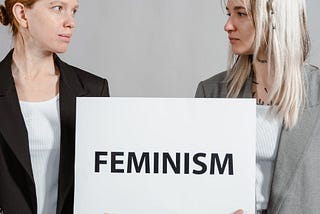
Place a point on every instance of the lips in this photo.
(233, 40)
(65, 37)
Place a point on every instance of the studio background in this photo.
(154, 48)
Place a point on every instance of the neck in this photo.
(30, 62)
(264, 61)
(262, 56)
(262, 75)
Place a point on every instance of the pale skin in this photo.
(43, 30)
(241, 33)
(263, 78)
(239, 212)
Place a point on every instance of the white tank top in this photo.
(42, 120)
(267, 140)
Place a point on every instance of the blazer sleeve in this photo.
(200, 91)
(105, 89)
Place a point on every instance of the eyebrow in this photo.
(54, 2)
(63, 3)
(237, 8)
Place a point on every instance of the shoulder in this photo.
(312, 74)
(215, 86)
(81, 74)
(85, 76)
(79, 79)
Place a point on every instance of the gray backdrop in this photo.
(154, 48)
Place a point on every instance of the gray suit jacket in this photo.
(296, 180)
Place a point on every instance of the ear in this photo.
(19, 12)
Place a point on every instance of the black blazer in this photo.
(17, 186)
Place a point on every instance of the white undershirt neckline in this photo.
(42, 121)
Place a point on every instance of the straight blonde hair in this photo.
(281, 30)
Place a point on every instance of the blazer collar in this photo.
(12, 126)
(70, 87)
(68, 77)
(6, 80)
(246, 90)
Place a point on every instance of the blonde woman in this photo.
(269, 45)
(37, 108)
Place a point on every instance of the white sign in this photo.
(165, 156)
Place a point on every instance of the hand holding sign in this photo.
(239, 212)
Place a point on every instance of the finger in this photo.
(239, 212)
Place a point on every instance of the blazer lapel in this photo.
(246, 90)
(292, 146)
(14, 131)
(12, 124)
(69, 88)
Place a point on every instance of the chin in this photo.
(59, 47)
(60, 50)
(239, 53)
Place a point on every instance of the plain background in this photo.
(154, 48)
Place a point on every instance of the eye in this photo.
(57, 8)
(74, 11)
(227, 12)
(242, 14)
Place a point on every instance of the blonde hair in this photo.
(281, 30)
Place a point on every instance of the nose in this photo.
(70, 21)
(229, 25)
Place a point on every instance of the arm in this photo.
(200, 91)
(105, 89)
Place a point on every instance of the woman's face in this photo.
(240, 27)
(50, 24)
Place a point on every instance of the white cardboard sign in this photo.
(165, 156)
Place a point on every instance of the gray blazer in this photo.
(296, 180)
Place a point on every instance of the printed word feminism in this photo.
(163, 163)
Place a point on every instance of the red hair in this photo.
(6, 14)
